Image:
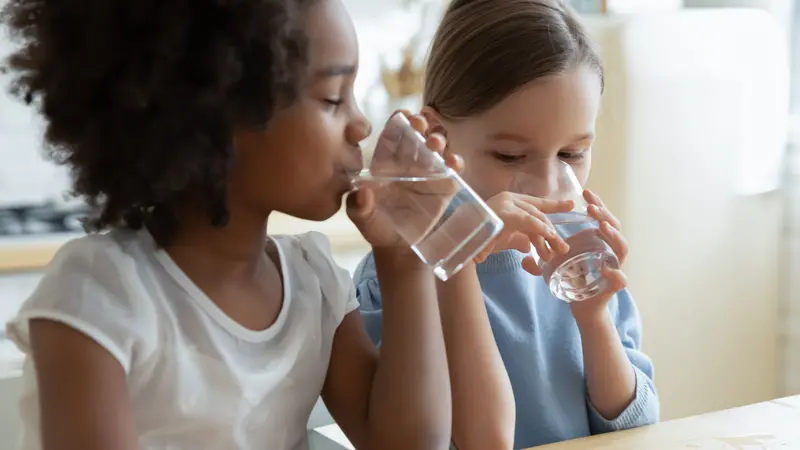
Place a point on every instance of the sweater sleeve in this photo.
(644, 409)
(368, 293)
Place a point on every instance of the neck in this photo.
(236, 248)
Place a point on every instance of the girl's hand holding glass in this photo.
(569, 235)
(412, 196)
(610, 233)
(362, 204)
(526, 225)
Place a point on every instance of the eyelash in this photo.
(334, 102)
(508, 159)
(511, 159)
(572, 156)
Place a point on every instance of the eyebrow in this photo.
(517, 138)
(336, 70)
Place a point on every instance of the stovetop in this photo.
(39, 219)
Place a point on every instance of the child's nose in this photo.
(359, 129)
(540, 180)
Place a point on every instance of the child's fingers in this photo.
(419, 123)
(526, 223)
(481, 257)
(436, 142)
(505, 241)
(404, 112)
(548, 231)
(615, 240)
(602, 214)
(454, 161)
(592, 198)
(542, 249)
(360, 204)
(519, 242)
(598, 210)
(530, 266)
(546, 206)
(616, 278)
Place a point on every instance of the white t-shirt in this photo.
(196, 378)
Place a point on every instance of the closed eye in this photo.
(507, 158)
(334, 101)
(572, 155)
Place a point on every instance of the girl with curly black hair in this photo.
(183, 325)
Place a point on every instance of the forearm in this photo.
(483, 403)
(410, 403)
(610, 378)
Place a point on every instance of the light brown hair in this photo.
(486, 49)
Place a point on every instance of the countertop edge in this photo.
(30, 253)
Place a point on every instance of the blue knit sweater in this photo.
(541, 348)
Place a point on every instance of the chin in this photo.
(322, 215)
(321, 211)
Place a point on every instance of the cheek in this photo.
(487, 180)
(582, 170)
(294, 162)
(306, 153)
(481, 172)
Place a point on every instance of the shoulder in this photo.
(92, 255)
(94, 285)
(313, 251)
(102, 269)
(310, 258)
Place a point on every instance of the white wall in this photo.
(781, 9)
(693, 106)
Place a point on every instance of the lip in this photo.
(353, 171)
(348, 177)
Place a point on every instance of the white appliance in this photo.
(689, 149)
(781, 9)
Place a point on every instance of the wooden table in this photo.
(765, 426)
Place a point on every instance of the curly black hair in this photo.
(141, 96)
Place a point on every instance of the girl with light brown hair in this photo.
(512, 84)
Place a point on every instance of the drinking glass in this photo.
(426, 202)
(575, 276)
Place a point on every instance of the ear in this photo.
(436, 123)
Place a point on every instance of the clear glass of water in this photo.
(428, 204)
(575, 276)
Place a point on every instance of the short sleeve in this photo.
(335, 281)
(91, 287)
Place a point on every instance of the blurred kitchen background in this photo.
(697, 154)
